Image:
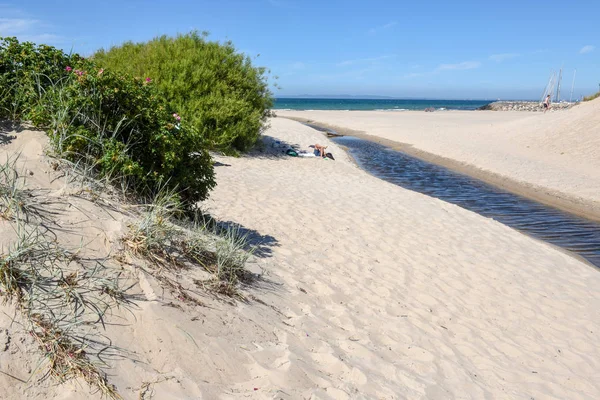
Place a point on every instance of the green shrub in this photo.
(119, 124)
(216, 89)
(21, 67)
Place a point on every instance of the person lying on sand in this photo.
(320, 149)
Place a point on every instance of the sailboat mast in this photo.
(558, 86)
(572, 86)
(549, 87)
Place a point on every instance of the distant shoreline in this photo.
(400, 105)
(375, 104)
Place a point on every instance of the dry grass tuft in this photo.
(66, 358)
(164, 237)
(152, 237)
(61, 297)
(15, 200)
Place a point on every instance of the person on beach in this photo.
(320, 149)
(546, 103)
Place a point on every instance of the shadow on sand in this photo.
(7, 128)
(273, 148)
(260, 245)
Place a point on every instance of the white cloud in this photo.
(14, 26)
(460, 66)
(353, 74)
(387, 26)
(27, 30)
(371, 60)
(294, 68)
(46, 38)
(465, 65)
(587, 49)
(503, 56)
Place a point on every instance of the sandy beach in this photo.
(551, 157)
(367, 290)
(392, 294)
(177, 221)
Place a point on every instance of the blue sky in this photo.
(436, 49)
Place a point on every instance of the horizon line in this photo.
(368, 97)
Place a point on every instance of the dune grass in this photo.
(226, 262)
(591, 97)
(15, 201)
(60, 296)
(172, 240)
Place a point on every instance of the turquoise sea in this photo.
(375, 104)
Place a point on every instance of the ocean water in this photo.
(375, 104)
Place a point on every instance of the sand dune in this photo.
(369, 291)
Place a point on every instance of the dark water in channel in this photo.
(562, 229)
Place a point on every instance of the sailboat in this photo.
(549, 87)
(554, 81)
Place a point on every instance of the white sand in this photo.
(371, 291)
(556, 153)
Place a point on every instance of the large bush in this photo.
(224, 97)
(118, 124)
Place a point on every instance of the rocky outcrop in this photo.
(524, 106)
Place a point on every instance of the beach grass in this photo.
(591, 97)
(15, 201)
(172, 240)
(60, 296)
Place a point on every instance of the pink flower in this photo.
(148, 80)
(78, 72)
(68, 69)
(176, 116)
(101, 71)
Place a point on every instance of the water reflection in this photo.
(546, 223)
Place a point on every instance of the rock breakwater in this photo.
(524, 106)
